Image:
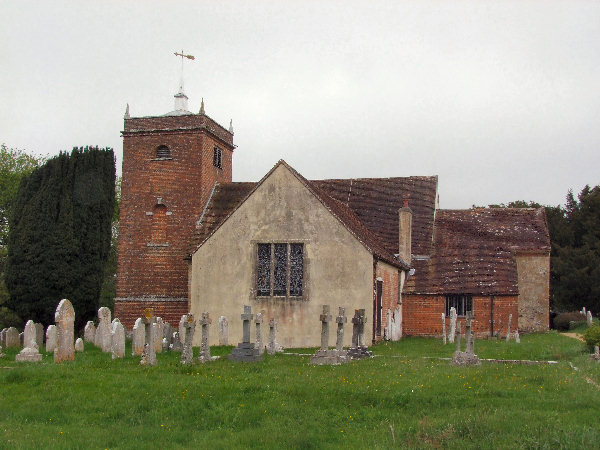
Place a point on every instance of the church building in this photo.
(192, 240)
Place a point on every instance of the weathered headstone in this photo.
(65, 333)
(167, 336)
(89, 332)
(258, 320)
(12, 338)
(139, 337)
(30, 349)
(453, 317)
(176, 345)
(3, 337)
(596, 354)
(246, 351)
(359, 349)
(517, 337)
(78, 345)
(103, 332)
(508, 328)
(1, 354)
(583, 311)
(272, 346)
(39, 334)
(468, 357)
(324, 355)
(158, 337)
(187, 355)
(51, 338)
(340, 320)
(223, 331)
(149, 355)
(21, 339)
(589, 319)
(182, 329)
(444, 327)
(117, 339)
(205, 322)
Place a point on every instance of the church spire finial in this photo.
(127, 116)
(231, 126)
(202, 107)
(180, 98)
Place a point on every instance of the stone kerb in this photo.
(246, 351)
(65, 333)
(30, 350)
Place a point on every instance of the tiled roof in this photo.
(227, 197)
(474, 251)
(376, 202)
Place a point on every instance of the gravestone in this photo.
(324, 355)
(508, 328)
(176, 343)
(103, 332)
(517, 337)
(3, 337)
(444, 327)
(138, 338)
(30, 350)
(246, 351)
(89, 332)
(187, 355)
(167, 337)
(223, 331)
(39, 334)
(205, 322)
(258, 320)
(589, 319)
(468, 357)
(79, 345)
(65, 334)
(182, 329)
(158, 336)
(51, 337)
(11, 338)
(359, 349)
(21, 339)
(596, 354)
(1, 354)
(117, 339)
(149, 355)
(272, 346)
(453, 317)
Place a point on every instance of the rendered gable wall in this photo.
(338, 268)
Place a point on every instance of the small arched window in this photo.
(163, 152)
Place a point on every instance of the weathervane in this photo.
(183, 55)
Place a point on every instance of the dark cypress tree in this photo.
(60, 233)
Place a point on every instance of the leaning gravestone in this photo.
(117, 340)
(205, 322)
(39, 334)
(359, 349)
(187, 354)
(89, 332)
(103, 332)
(223, 331)
(30, 351)
(64, 318)
(138, 338)
(272, 346)
(79, 345)
(12, 338)
(246, 351)
(51, 338)
(149, 355)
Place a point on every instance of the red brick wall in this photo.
(389, 275)
(422, 314)
(170, 311)
(152, 247)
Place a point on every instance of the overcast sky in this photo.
(500, 99)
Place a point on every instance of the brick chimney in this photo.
(405, 230)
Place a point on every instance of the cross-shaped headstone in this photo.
(246, 318)
(340, 320)
(149, 355)
(204, 321)
(258, 320)
(325, 318)
(189, 324)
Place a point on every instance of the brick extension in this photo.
(162, 198)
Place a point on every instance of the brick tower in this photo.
(170, 165)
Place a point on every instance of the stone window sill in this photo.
(152, 244)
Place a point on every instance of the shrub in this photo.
(592, 337)
(563, 321)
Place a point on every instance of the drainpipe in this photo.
(374, 302)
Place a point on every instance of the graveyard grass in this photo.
(405, 397)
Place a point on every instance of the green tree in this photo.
(59, 235)
(109, 284)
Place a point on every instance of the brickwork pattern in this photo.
(422, 314)
(390, 278)
(171, 311)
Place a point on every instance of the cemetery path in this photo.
(573, 335)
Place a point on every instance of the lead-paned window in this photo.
(461, 302)
(280, 270)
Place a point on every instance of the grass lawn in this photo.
(397, 399)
